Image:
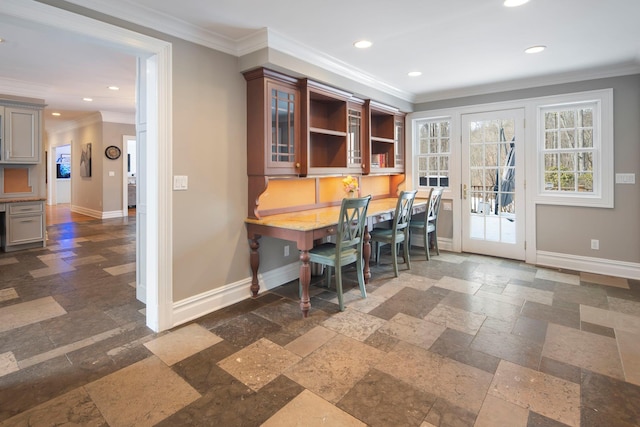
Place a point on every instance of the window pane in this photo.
(585, 162)
(422, 164)
(567, 181)
(444, 163)
(424, 146)
(585, 117)
(585, 182)
(433, 164)
(586, 138)
(550, 121)
(444, 145)
(567, 161)
(551, 140)
(491, 154)
(476, 178)
(567, 139)
(444, 129)
(567, 119)
(433, 146)
(550, 161)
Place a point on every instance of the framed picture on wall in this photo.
(85, 160)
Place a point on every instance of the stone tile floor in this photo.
(460, 340)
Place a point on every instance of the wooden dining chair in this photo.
(348, 246)
(427, 226)
(398, 233)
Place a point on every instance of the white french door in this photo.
(493, 211)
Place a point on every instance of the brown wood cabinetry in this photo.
(303, 128)
(273, 124)
(385, 143)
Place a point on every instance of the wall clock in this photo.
(112, 152)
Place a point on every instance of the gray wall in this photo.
(568, 230)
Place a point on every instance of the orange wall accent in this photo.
(284, 193)
(16, 180)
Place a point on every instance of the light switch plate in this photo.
(625, 178)
(180, 182)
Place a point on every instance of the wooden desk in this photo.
(304, 227)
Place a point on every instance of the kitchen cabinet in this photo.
(273, 124)
(24, 225)
(385, 139)
(21, 134)
(300, 127)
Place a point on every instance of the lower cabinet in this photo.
(24, 226)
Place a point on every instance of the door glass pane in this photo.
(492, 180)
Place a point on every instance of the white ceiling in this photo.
(462, 47)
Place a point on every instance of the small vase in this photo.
(352, 195)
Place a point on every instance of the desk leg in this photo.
(254, 261)
(305, 280)
(366, 254)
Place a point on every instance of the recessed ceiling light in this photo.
(87, 99)
(55, 114)
(1, 40)
(363, 44)
(414, 73)
(114, 88)
(535, 49)
(514, 3)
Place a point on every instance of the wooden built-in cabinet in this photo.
(386, 144)
(24, 225)
(303, 128)
(273, 124)
(19, 134)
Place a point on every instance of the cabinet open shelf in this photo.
(326, 150)
(327, 113)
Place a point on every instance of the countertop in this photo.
(24, 199)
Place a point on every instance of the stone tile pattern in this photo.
(460, 340)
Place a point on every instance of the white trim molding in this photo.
(207, 302)
(608, 267)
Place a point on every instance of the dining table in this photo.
(309, 226)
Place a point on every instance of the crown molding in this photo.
(116, 117)
(564, 78)
(260, 39)
(131, 12)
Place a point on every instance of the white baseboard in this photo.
(98, 214)
(113, 214)
(630, 270)
(199, 305)
(86, 211)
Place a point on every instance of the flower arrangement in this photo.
(350, 185)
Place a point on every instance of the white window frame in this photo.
(602, 195)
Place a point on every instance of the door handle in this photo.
(464, 191)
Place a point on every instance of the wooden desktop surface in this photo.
(307, 226)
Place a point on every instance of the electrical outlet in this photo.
(595, 244)
(286, 250)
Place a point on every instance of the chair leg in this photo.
(435, 242)
(394, 257)
(426, 244)
(407, 255)
(377, 253)
(360, 274)
(339, 286)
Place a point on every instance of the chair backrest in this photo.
(402, 216)
(353, 218)
(434, 205)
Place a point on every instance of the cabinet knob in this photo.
(331, 231)
(363, 166)
(297, 165)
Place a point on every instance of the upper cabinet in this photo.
(385, 140)
(273, 124)
(20, 133)
(300, 127)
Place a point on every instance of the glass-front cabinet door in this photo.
(398, 163)
(354, 138)
(283, 140)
